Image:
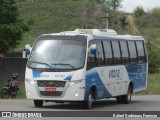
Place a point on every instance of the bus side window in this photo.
(124, 50)
(116, 52)
(91, 60)
(140, 49)
(132, 51)
(99, 53)
(108, 53)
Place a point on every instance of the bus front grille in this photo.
(57, 85)
(46, 83)
(57, 93)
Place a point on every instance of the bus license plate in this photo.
(50, 89)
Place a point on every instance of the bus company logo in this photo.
(54, 66)
(115, 73)
(42, 75)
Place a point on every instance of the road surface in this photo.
(139, 103)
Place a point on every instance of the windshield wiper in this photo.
(64, 64)
(44, 64)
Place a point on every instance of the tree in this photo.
(139, 11)
(12, 26)
(114, 4)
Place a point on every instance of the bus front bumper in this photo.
(69, 93)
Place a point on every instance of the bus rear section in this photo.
(118, 68)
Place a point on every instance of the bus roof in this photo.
(97, 34)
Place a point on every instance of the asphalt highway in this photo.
(139, 103)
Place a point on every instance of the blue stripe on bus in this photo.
(69, 77)
(137, 74)
(93, 79)
(36, 74)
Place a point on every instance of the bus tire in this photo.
(127, 98)
(38, 103)
(119, 99)
(88, 103)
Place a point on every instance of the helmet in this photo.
(14, 75)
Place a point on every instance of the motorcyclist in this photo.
(11, 88)
(15, 82)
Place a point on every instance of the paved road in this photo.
(139, 103)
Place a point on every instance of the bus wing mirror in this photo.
(92, 49)
(27, 49)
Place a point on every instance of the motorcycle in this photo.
(11, 88)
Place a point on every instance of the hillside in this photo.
(51, 17)
(147, 23)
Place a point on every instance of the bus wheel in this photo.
(88, 103)
(127, 98)
(38, 103)
(119, 99)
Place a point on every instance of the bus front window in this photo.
(58, 54)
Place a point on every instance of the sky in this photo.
(130, 5)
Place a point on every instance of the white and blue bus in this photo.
(84, 66)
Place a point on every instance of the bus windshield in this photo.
(58, 54)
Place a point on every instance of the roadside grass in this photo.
(153, 87)
(21, 92)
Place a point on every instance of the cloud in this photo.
(130, 5)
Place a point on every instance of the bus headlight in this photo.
(75, 82)
(76, 94)
(30, 81)
(28, 93)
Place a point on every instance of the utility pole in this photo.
(84, 13)
(107, 18)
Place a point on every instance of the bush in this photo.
(153, 58)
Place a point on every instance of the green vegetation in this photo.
(148, 24)
(12, 26)
(67, 15)
(50, 18)
(21, 92)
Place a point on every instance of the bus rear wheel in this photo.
(38, 103)
(126, 99)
